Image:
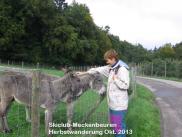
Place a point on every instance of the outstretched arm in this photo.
(104, 70)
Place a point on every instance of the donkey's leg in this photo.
(7, 129)
(2, 127)
(4, 105)
(28, 113)
(70, 106)
(48, 119)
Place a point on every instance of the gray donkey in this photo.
(66, 89)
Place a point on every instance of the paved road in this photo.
(169, 98)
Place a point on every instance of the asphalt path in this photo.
(169, 99)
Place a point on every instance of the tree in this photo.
(53, 32)
(178, 50)
(61, 4)
(166, 51)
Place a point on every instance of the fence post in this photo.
(37, 65)
(22, 64)
(152, 69)
(8, 62)
(142, 69)
(139, 69)
(165, 70)
(135, 75)
(133, 81)
(35, 103)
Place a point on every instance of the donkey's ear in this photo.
(66, 70)
(74, 77)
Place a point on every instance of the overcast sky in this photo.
(149, 22)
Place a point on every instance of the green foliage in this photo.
(178, 50)
(166, 51)
(164, 59)
(179, 71)
(55, 33)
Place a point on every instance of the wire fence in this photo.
(89, 106)
(161, 68)
(22, 64)
(8, 90)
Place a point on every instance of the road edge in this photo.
(157, 102)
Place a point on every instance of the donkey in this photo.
(66, 89)
(43, 77)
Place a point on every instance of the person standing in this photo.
(117, 96)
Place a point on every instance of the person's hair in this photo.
(111, 54)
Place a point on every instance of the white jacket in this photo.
(117, 95)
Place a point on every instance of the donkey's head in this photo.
(97, 83)
(73, 81)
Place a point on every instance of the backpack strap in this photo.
(115, 69)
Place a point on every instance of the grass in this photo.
(52, 72)
(44, 70)
(142, 117)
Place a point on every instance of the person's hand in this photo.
(114, 77)
(80, 73)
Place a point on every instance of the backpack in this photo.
(130, 89)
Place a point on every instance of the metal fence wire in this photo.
(28, 116)
(161, 68)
